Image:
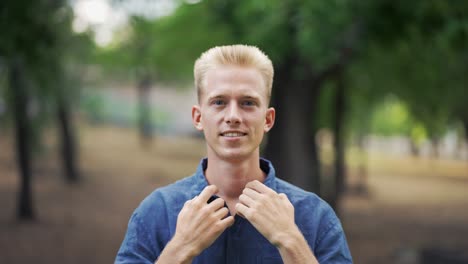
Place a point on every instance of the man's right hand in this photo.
(198, 225)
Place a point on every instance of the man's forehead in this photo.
(238, 92)
(246, 80)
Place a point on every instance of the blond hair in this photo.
(235, 55)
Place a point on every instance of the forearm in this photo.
(175, 253)
(294, 249)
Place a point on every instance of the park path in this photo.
(86, 223)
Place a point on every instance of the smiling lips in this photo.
(233, 134)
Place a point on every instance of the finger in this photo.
(259, 187)
(227, 222)
(242, 210)
(221, 213)
(216, 204)
(246, 200)
(207, 193)
(283, 196)
(253, 194)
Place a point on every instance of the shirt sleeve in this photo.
(136, 246)
(332, 247)
(147, 234)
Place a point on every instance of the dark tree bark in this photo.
(465, 127)
(362, 170)
(435, 141)
(414, 147)
(464, 121)
(68, 147)
(144, 112)
(339, 146)
(291, 143)
(18, 88)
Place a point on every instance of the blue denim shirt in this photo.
(153, 224)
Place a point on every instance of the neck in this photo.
(231, 177)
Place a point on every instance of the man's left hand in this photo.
(272, 214)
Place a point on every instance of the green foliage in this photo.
(166, 48)
(183, 37)
(38, 35)
(391, 118)
(414, 50)
(322, 28)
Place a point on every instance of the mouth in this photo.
(233, 134)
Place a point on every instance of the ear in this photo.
(196, 117)
(269, 119)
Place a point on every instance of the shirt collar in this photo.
(265, 166)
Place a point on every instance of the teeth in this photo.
(233, 134)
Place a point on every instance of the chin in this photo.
(235, 155)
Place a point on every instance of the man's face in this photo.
(233, 112)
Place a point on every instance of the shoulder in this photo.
(311, 210)
(318, 223)
(298, 196)
(170, 196)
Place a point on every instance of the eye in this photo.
(218, 102)
(249, 103)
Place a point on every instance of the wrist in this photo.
(177, 251)
(289, 239)
(293, 248)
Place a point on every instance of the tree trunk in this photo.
(144, 112)
(362, 171)
(414, 147)
(435, 147)
(68, 147)
(339, 146)
(18, 88)
(291, 145)
(465, 127)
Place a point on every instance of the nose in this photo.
(233, 114)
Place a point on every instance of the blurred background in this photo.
(372, 115)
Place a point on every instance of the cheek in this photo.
(259, 124)
(210, 123)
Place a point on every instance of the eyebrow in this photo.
(256, 98)
(221, 96)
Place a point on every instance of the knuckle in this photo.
(263, 198)
(205, 209)
(256, 205)
(219, 202)
(196, 205)
(242, 197)
(224, 211)
(218, 226)
(251, 215)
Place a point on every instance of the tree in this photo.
(31, 46)
(309, 42)
(421, 54)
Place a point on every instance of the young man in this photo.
(233, 209)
